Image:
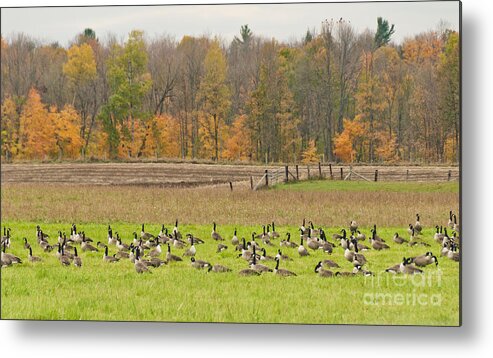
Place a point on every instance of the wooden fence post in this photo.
(286, 172)
(251, 182)
(308, 169)
(266, 178)
(449, 175)
(407, 175)
(376, 174)
(231, 186)
(297, 173)
(342, 174)
(319, 170)
(330, 170)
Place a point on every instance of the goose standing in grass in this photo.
(196, 240)
(191, 250)
(215, 235)
(425, 260)
(450, 223)
(322, 272)
(40, 234)
(77, 259)
(455, 227)
(418, 227)
(398, 239)
(245, 254)
(175, 230)
(32, 258)
(64, 258)
(145, 235)
(155, 252)
(378, 245)
(107, 258)
(6, 237)
(453, 254)
(199, 264)
(312, 243)
(375, 235)
(111, 239)
(140, 267)
(353, 227)
(264, 256)
(324, 244)
(219, 268)
(343, 239)
(170, 257)
(438, 237)
(234, 239)
(274, 234)
(303, 229)
(120, 245)
(287, 242)
(282, 272)
(27, 245)
(301, 249)
(74, 235)
(177, 243)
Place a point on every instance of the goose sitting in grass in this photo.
(438, 236)
(196, 240)
(425, 260)
(282, 272)
(221, 248)
(378, 245)
(156, 251)
(258, 267)
(140, 267)
(32, 258)
(249, 272)
(329, 263)
(358, 270)
(7, 258)
(408, 268)
(219, 268)
(77, 259)
(170, 257)
(107, 258)
(264, 256)
(455, 227)
(282, 256)
(287, 242)
(322, 272)
(145, 235)
(398, 239)
(375, 234)
(199, 264)
(360, 236)
(214, 234)
(274, 234)
(85, 245)
(453, 254)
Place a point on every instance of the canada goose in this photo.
(145, 235)
(455, 227)
(282, 256)
(301, 250)
(171, 257)
(287, 242)
(324, 245)
(32, 258)
(264, 256)
(258, 267)
(155, 262)
(155, 252)
(345, 274)
(266, 240)
(122, 255)
(353, 227)
(216, 235)
(191, 250)
(322, 272)
(100, 244)
(196, 240)
(177, 243)
(418, 227)
(60, 237)
(408, 268)
(410, 229)
(445, 248)
(234, 240)
(74, 235)
(108, 258)
(45, 246)
(329, 263)
(395, 269)
(111, 239)
(453, 254)
(77, 259)
(140, 267)
(199, 264)
(357, 270)
(314, 232)
(360, 236)
(175, 230)
(85, 245)
(343, 239)
(219, 268)
(438, 237)
(450, 223)
(378, 245)
(27, 245)
(40, 234)
(375, 235)
(221, 248)
(353, 242)
(303, 229)
(274, 233)
(245, 254)
(424, 260)
(354, 257)
(120, 245)
(311, 242)
(249, 272)
(399, 240)
(282, 272)
(86, 239)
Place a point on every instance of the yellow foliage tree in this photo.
(81, 65)
(349, 139)
(238, 145)
(67, 132)
(310, 155)
(387, 147)
(37, 139)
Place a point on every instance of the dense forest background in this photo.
(333, 95)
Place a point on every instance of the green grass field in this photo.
(177, 292)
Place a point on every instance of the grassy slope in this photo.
(177, 292)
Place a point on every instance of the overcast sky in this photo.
(282, 21)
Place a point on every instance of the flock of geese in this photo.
(145, 251)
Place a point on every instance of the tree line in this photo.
(333, 95)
